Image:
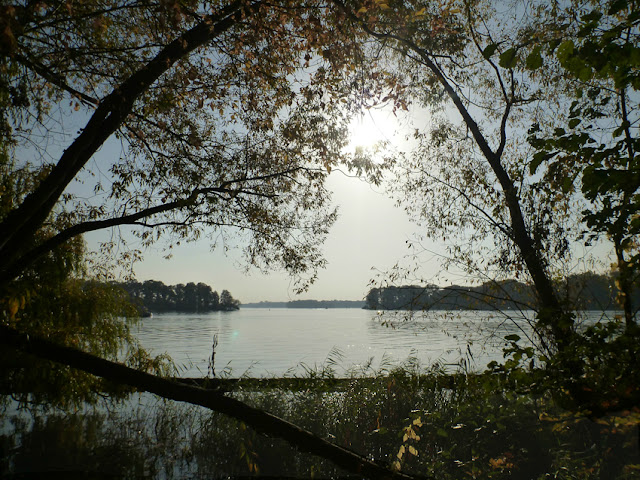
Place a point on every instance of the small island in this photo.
(153, 296)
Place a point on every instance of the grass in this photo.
(424, 422)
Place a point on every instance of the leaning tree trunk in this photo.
(258, 419)
(552, 316)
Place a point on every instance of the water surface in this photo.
(261, 342)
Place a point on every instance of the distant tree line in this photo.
(325, 304)
(308, 304)
(586, 291)
(155, 296)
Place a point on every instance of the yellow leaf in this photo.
(546, 417)
(14, 305)
(401, 451)
(413, 451)
(362, 10)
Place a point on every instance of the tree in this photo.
(228, 119)
(468, 182)
(156, 297)
(220, 128)
(55, 298)
(227, 302)
(204, 297)
(215, 301)
(189, 299)
(486, 71)
(595, 151)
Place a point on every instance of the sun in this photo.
(370, 128)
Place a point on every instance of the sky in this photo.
(371, 232)
(369, 237)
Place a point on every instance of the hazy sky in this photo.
(370, 232)
(370, 235)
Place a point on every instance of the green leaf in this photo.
(564, 52)
(512, 338)
(616, 6)
(534, 128)
(538, 158)
(574, 122)
(534, 59)
(585, 73)
(489, 50)
(593, 16)
(509, 58)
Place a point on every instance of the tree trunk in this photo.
(551, 315)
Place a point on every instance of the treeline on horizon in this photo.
(154, 296)
(585, 291)
(308, 304)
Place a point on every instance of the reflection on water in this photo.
(274, 342)
(278, 341)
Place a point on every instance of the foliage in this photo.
(585, 291)
(490, 296)
(505, 211)
(485, 72)
(54, 298)
(595, 151)
(444, 426)
(609, 370)
(473, 70)
(226, 115)
(155, 296)
(229, 116)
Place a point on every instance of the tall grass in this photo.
(422, 421)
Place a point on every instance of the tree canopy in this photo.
(228, 117)
(154, 296)
(486, 72)
(220, 111)
(180, 120)
(594, 150)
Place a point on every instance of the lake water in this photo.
(274, 342)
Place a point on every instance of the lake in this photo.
(273, 342)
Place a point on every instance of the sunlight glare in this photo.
(371, 127)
